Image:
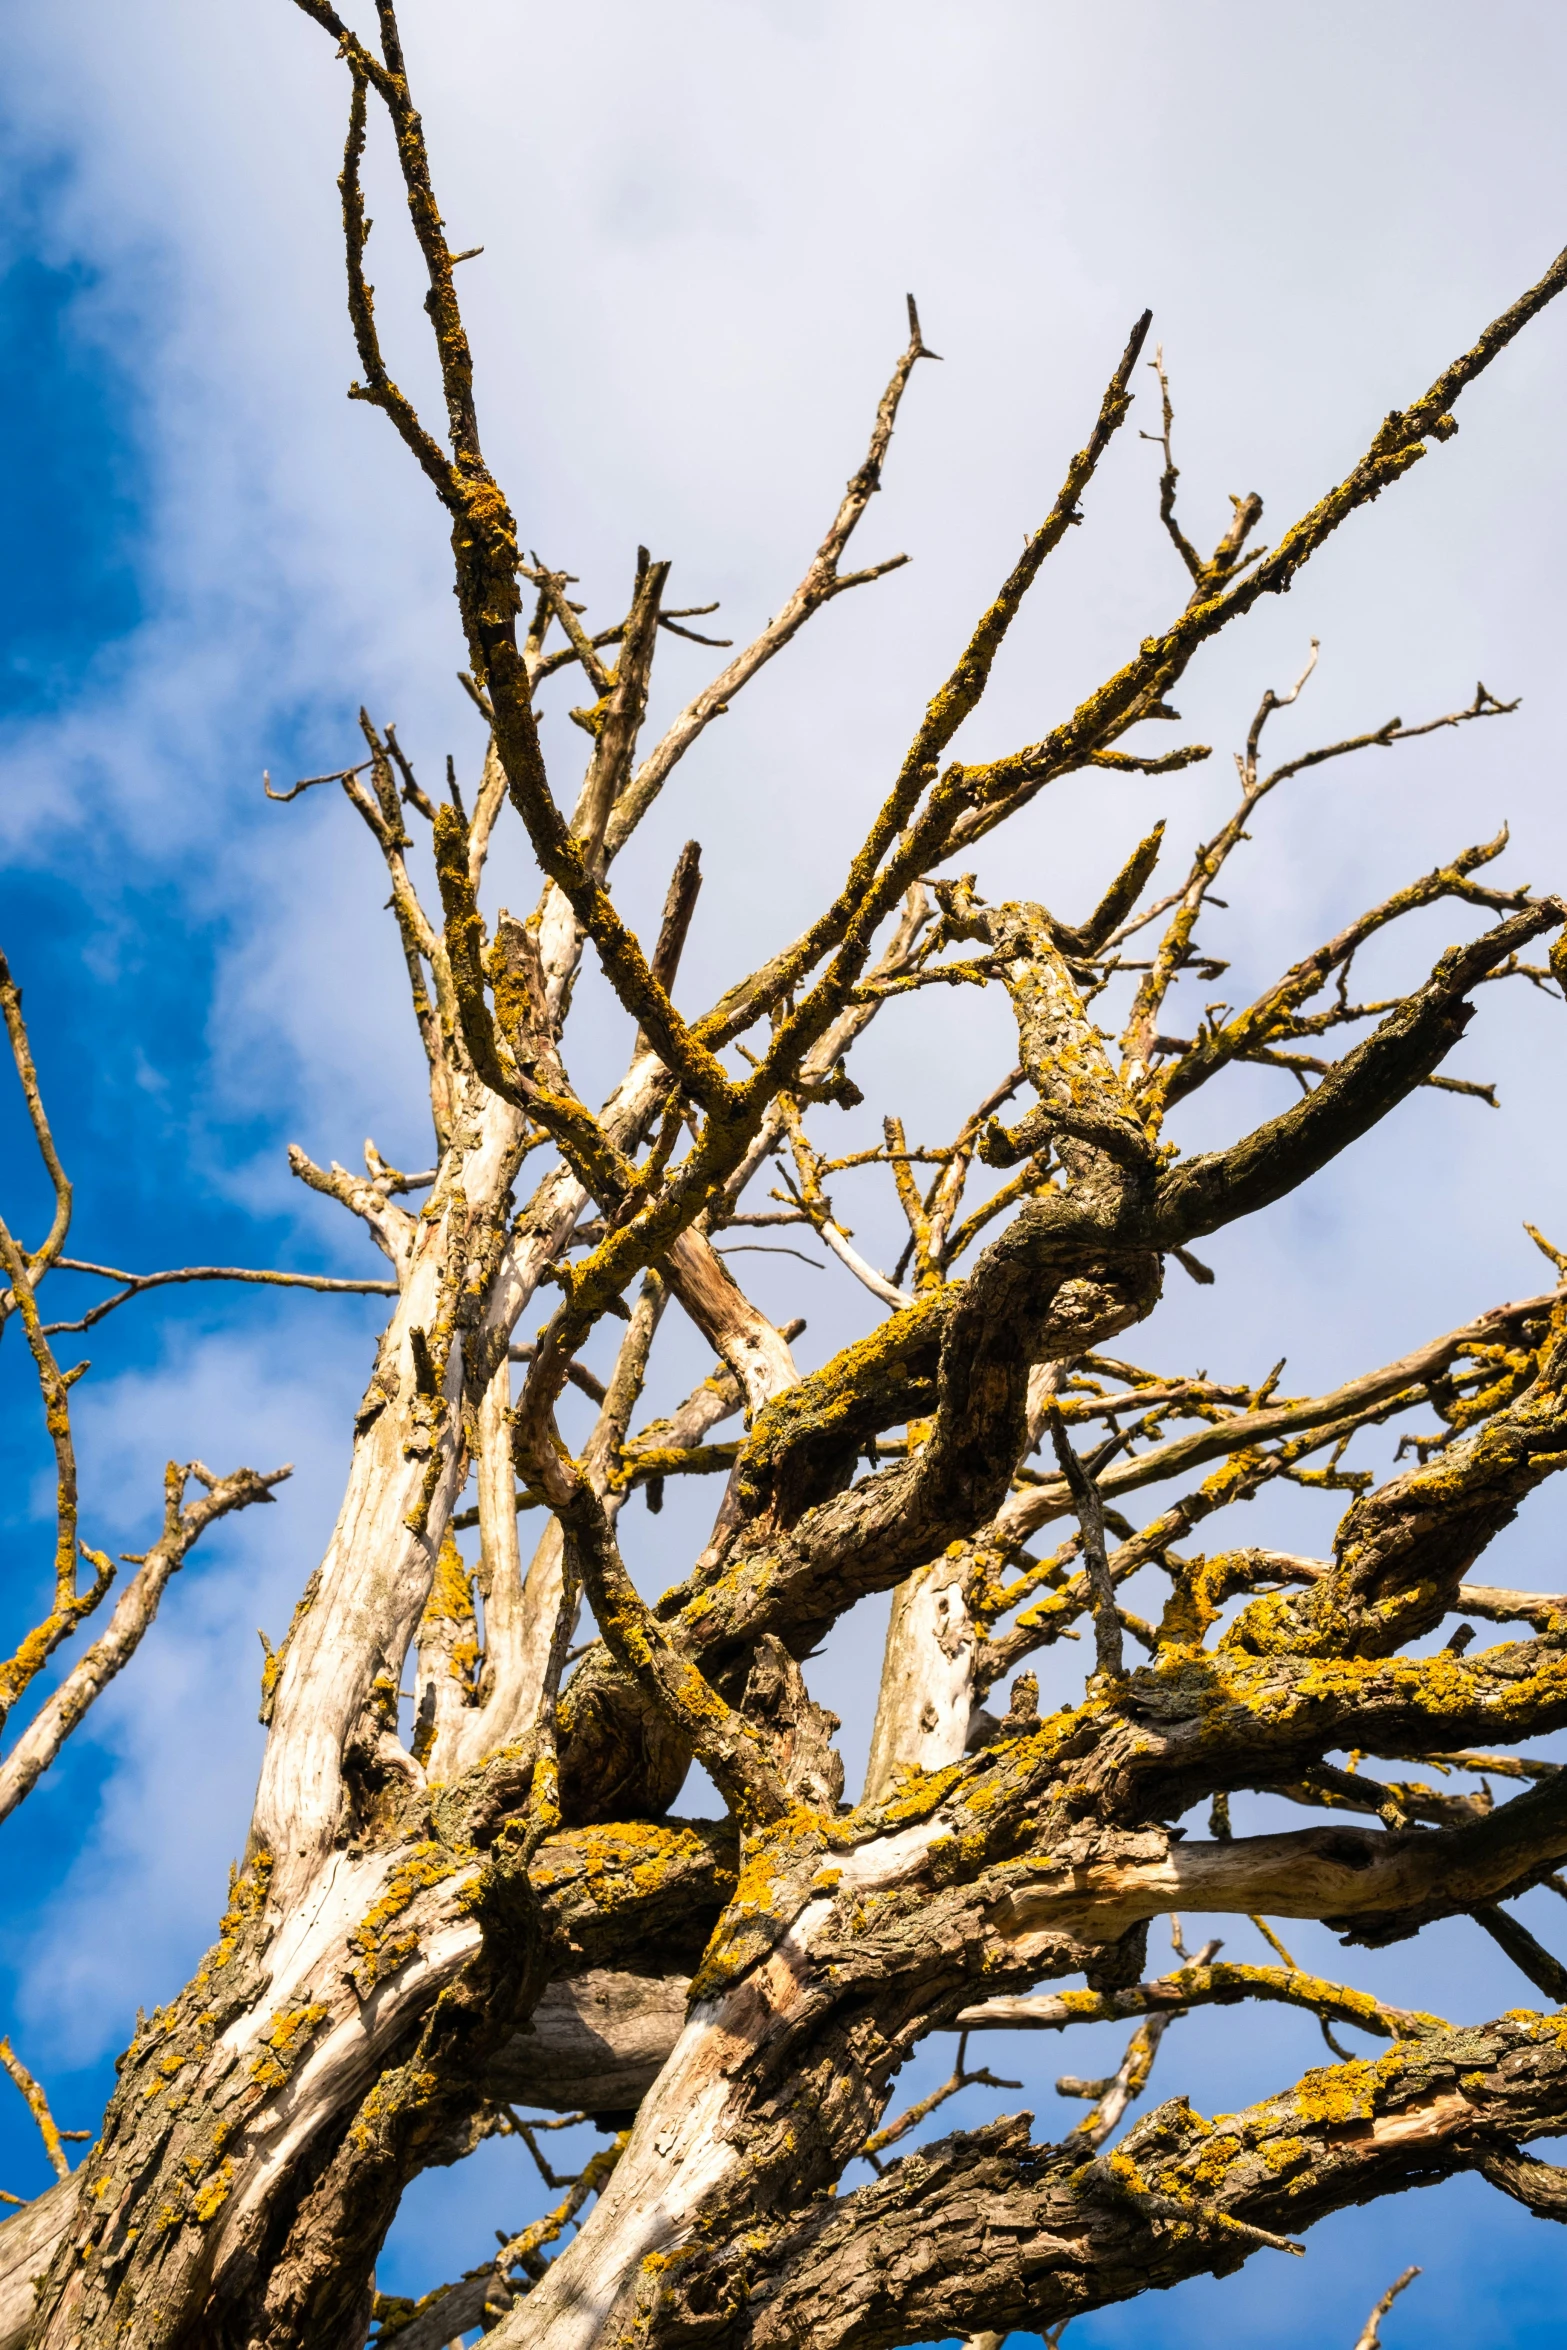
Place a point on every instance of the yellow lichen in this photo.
(1339, 2093)
(212, 2197)
(247, 1898)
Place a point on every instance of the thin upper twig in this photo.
(38, 2107)
(135, 1283)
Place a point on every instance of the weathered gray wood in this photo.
(599, 2041)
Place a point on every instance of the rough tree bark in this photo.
(431, 1928)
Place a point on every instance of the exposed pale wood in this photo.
(752, 1347)
(926, 1699)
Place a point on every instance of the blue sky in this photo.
(698, 231)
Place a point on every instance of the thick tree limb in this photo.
(985, 2229)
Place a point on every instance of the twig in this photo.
(38, 2106)
(525, 2129)
(821, 583)
(43, 1256)
(1531, 1958)
(309, 782)
(1090, 1516)
(1370, 2335)
(70, 1605)
(768, 1248)
(135, 1283)
(959, 2078)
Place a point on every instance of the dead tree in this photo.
(426, 1931)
